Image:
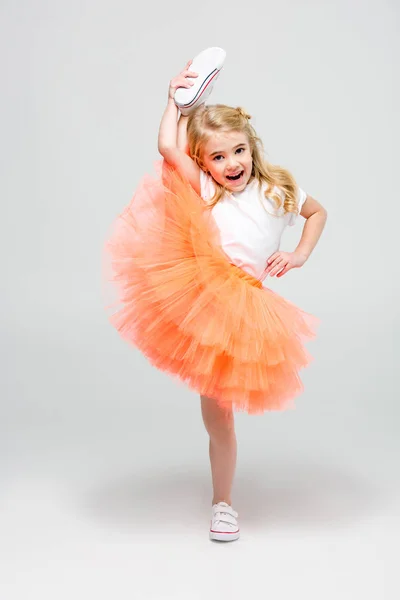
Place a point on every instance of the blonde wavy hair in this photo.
(205, 120)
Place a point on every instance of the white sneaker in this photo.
(224, 526)
(207, 65)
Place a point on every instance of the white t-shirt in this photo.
(250, 225)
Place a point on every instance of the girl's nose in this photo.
(233, 164)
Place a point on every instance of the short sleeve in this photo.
(207, 187)
(301, 198)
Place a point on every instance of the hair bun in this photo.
(243, 113)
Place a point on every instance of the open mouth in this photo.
(235, 177)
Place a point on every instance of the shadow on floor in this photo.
(284, 495)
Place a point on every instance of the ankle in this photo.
(218, 499)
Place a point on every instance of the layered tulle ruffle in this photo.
(191, 312)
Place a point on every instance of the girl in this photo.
(190, 256)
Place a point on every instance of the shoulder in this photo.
(270, 204)
(301, 198)
(301, 194)
(267, 194)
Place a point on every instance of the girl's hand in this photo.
(282, 262)
(181, 80)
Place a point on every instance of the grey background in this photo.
(105, 477)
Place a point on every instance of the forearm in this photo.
(312, 230)
(181, 139)
(167, 134)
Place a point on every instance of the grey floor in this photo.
(101, 498)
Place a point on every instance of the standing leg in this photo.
(220, 426)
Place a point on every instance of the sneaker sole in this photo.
(207, 65)
(224, 536)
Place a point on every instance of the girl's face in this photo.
(227, 157)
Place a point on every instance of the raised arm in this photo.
(170, 138)
(181, 140)
(167, 132)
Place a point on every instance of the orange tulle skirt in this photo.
(193, 313)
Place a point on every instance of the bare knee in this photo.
(218, 421)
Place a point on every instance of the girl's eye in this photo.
(220, 155)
